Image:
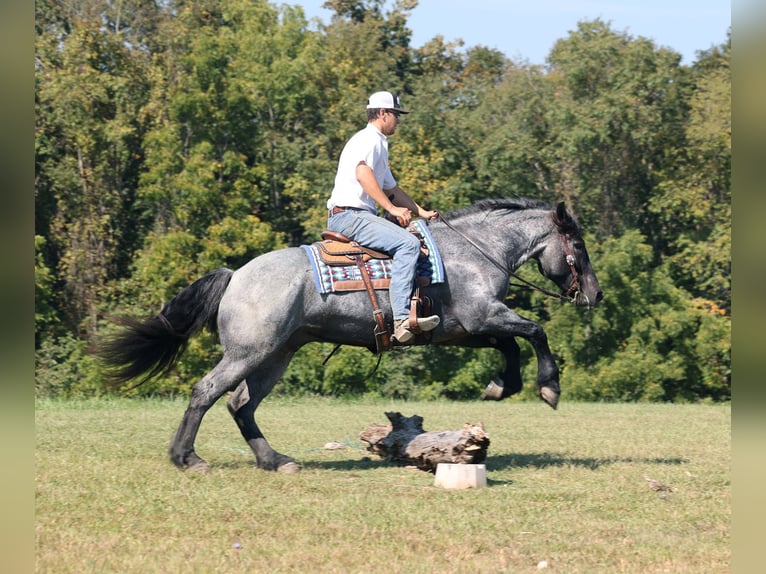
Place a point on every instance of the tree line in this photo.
(173, 137)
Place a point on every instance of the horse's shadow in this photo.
(549, 459)
(506, 462)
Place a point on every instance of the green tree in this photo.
(89, 88)
(176, 137)
(513, 133)
(620, 105)
(649, 340)
(45, 298)
(237, 109)
(692, 202)
(435, 158)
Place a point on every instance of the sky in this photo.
(525, 30)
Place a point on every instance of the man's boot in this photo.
(402, 331)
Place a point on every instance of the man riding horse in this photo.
(364, 180)
(261, 328)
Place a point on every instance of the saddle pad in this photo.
(348, 277)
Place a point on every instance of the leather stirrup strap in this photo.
(382, 337)
(418, 302)
(412, 323)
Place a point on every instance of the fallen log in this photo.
(404, 441)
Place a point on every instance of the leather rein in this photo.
(569, 296)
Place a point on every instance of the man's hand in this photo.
(429, 215)
(402, 215)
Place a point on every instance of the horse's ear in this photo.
(564, 221)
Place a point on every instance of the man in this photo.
(364, 181)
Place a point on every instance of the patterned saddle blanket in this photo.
(338, 276)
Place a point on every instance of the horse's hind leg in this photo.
(224, 377)
(242, 405)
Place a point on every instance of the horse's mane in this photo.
(513, 204)
(567, 225)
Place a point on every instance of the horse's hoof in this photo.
(493, 392)
(289, 468)
(549, 396)
(199, 468)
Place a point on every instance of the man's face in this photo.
(390, 121)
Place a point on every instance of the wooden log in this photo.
(404, 441)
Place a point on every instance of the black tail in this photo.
(152, 347)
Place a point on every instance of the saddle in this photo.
(336, 249)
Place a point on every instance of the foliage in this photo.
(63, 368)
(648, 341)
(89, 90)
(176, 137)
(45, 297)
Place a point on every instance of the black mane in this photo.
(513, 204)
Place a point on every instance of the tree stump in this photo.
(405, 442)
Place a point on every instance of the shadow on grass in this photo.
(547, 459)
(507, 462)
(349, 465)
(493, 463)
(341, 465)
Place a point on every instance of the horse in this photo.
(260, 327)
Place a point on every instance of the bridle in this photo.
(574, 288)
(571, 293)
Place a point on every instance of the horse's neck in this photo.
(535, 232)
(513, 237)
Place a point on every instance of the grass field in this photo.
(566, 487)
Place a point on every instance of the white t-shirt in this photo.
(370, 146)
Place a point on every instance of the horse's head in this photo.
(565, 261)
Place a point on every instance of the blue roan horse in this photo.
(269, 308)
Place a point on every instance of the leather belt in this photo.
(336, 210)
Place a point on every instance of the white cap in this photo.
(385, 100)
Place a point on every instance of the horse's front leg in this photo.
(548, 388)
(504, 324)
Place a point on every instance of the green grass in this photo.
(565, 486)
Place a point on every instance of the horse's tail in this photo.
(152, 347)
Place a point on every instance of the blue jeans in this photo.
(377, 233)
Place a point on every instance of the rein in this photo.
(525, 283)
(367, 376)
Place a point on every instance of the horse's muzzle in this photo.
(580, 299)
